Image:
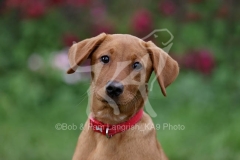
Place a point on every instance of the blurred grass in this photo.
(210, 114)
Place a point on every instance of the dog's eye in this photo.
(137, 65)
(105, 59)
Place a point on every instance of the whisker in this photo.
(83, 98)
(83, 95)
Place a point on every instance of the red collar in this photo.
(110, 130)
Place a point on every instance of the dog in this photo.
(121, 66)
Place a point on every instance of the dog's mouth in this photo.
(111, 101)
(117, 101)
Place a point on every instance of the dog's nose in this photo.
(114, 88)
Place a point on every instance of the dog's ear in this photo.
(80, 51)
(166, 69)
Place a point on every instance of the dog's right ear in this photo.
(80, 51)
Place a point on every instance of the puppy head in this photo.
(121, 68)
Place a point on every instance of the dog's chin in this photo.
(109, 101)
(115, 101)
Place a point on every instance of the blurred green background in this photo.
(36, 94)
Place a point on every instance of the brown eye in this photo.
(137, 65)
(105, 59)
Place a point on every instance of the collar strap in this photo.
(110, 130)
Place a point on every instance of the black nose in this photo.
(114, 88)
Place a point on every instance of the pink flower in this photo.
(189, 60)
(205, 63)
(202, 61)
(98, 12)
(167, 7)
(35, 9)
(60, 60)
(78, 2)
(69, 39)
(15, 3)
(55, 2)
(142, 22)
(29, 8)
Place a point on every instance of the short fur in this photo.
(138, 143)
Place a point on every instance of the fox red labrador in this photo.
(121, 66)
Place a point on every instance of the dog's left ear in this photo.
(80, 51)
(166, 69)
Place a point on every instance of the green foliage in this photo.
(32, 102)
